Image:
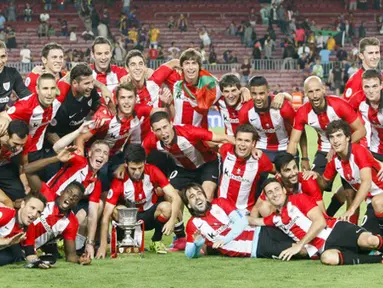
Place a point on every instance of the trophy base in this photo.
(133, 243)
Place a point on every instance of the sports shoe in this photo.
(158, 247)
(178, 244)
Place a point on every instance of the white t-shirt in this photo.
(25, 55)
(44, 17)
(72, 36)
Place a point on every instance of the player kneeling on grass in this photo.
(138, 187)
(337, 242)
(57, 221)
(219, 225)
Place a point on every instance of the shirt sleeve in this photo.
(288, 113)
(226, 205)
(19, 86)
(96, 194)
(31, 82)
(22, 110)
(63, 88)
(115, 191)
(269, 220)
(265, 165)
(149, 143)
(70, 231)
(161, 74)
(363, 158)
(199, 133)
(346, 112)
(243, 115)
(311, 188)
(330, 171)
(158, 177)
(304, 203)
(6, 215)
(190, 230)
(30, 238)
(300, 119)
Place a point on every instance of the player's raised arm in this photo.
(359, 131)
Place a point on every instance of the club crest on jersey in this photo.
(90, 102)
(110, 194)
(11, 110)
(6, 85)
(1, 214)
(27, 81)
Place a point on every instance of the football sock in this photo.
(80, 241)
(157, 235)
(351, 258)
(334, 206)
(380, 245)
(179, 230)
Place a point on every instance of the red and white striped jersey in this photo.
(140, 193)
(373, 119)
(9, 225)
(273, 125)
(185, 103)
(149, 94)
(37, 117)
(215, 224)
(353, 85)
(230, 115)
(111, 79)
(336, 108)
(240, 177)
(188, 149)
(51, 224)
(293, 221)
(349, 170)
(116, 130)
(6, 154)
(308, 187)
(77, 169)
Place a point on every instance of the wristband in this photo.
(305, 159)
(90, 242)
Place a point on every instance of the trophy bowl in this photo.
(127, 221)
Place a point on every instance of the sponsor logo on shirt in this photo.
(236, 177)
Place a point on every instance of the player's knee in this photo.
(81, 217)
(377, 203)
(330, 257)
(115, 212)
(349, 194)
(164, 209)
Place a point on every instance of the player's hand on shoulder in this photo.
(245, 95)
(38, 70)
(66, 154)
(309, 175)
(256, 153)
(119, 173)
(278, 101)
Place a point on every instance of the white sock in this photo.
(80, 241)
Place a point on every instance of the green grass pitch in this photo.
(174, 270)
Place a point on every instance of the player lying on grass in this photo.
(289, 175)
(337, 242)
(56, 222)
(219, 225)
(356, 165)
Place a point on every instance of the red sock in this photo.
(380, 242)
(378, 215)
(162, 219)
(341, 261)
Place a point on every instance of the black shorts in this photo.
(320, 163)
(162, 161)
(369, 221)
(82, 204)
(209, 171)
(10, 182)
(272, 242)
(378, 156)
(344, 236)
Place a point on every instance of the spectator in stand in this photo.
(84, 8)
(11, 12)
(123, 24)
(26, 58)
(313, 25)
(277, 89)
(362, 30)
(182, 23)
(302, 61)
(88, 35)
(64, 28)
(268, 47)
(245, 71)
(126, 6)
(133, 36)
(48, 5)
(42, 30)
(51, 31)
(11, 37)
(171, 23)
(317, 69)
(352, 70)
(44, 17)
(105, 17)
(292, 26)
(352, 5)
(325, 56)
(331, 43)
(95, 20)
(303, 49)
(72, 35)
(363, 4)
(153, 53)
(283, 23)
(319, 41)
(252, 17)
(132, 19)
(300, 35)
(248, 35)
(257, 55)
(336, 78)
(27, 13)
(341, 54)
(119, 51)
(228, 57)
(289, 54)
(354, 53)
(232, 30)
(377, 4)
(204, 36)
(102, 30)
(265, 15)
(203, 55)
(2, 21)
(174, 50)
(161, 55)
(273, 16)
(234, 72)
(154, 34)
(241, 31)
(212, 56)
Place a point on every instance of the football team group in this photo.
(77, 146)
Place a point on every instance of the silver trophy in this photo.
(127, 221)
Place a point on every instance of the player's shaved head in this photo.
(311, 79)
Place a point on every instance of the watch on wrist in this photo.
(305, 159)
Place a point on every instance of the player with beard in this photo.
(13, 155)
(356, 165)
(84, 170)
(369, 53)
(57, 221)
(318, 113)
(131, 123)
(337, 242)
(240, 170)
(108, 74)
(138, 187)
(294, 183)
(52, 56)
(14, 224)
(219, 225)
